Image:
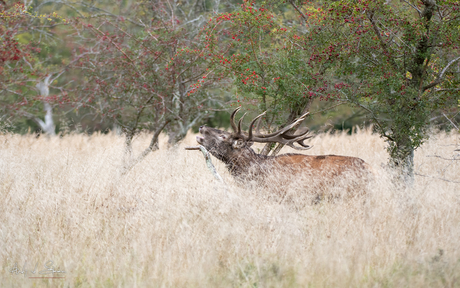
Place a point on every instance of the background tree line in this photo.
(169, 66)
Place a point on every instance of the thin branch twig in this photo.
(415, 7)
(451, 121)
(428, 176)
(440, 157)
(441, 75)
(207, 157)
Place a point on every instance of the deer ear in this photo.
(238, 144)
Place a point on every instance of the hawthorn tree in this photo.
(398, 60)
(268, 62)
(138, 72)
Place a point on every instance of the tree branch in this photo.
(298, 10)
(207, 157)
(374, 117)
(451, 121)
(441, 75)
(446, 180)
(382, 42)
(152, 147)
(415, 7)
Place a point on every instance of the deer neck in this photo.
(243, 161)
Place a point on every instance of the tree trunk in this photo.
(410, 115)
(128, 149)
(47, 126)
(175, 137)
(179, 130)
(402, 159)
(153, 146)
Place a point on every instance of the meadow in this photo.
(168, 223)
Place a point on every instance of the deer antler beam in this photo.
(282, 136)
(252, 124)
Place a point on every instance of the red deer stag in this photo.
(285, 172)
(234, 149)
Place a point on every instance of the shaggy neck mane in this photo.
(241, 160)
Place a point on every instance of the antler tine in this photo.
(252, 124)
(232, 118)
(258, 126)
(300, 142)
(239, 123)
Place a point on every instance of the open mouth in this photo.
(199, 139)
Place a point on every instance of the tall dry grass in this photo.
(167, 223)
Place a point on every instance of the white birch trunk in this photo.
(48, 125)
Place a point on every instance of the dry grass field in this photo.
(168, 223)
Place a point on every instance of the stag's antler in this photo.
(232, 119)
(281, 136)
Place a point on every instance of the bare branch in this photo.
(446, 180)
(298, 10)
(107, 13)
(152, 147)
(440, 157)
(382, 42)
(451, 121)
(27, 62)
(415, 7)
(207, 157)
(441, 75)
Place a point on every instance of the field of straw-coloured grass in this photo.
(168, 223)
